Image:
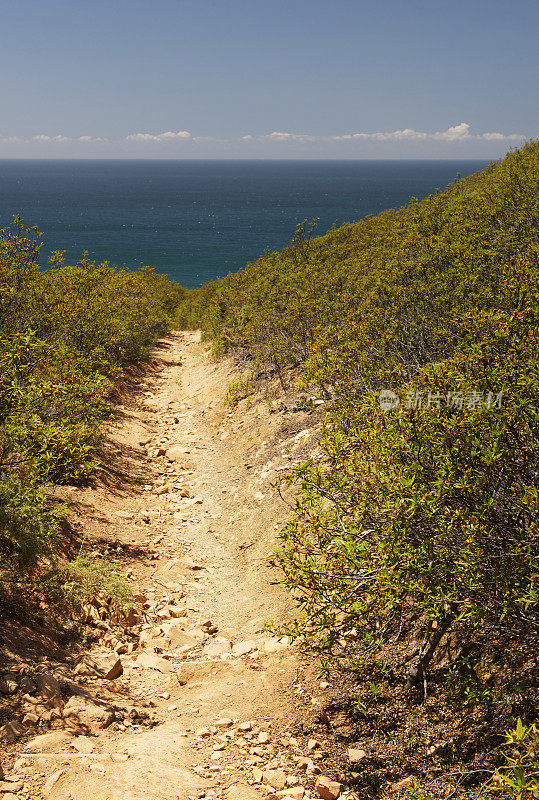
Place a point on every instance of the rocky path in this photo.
(187, 698)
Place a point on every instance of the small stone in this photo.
(83, 744)
(190, 564)
(241, 791)
(108, 667)
(224, 722)
(30, 720)
(48, 686)
(263, 737)
(177, 613)
(11, 731)
(328, 789)
(355, 756)
(46, 742)
(154, 662)
(8, 686)
(275, 645)
(203, 733)
(245, 726)
(217, 646)
(52, 780)
(11, 786)
(275, 778)
(88, 713)
(402, 784)
(175, 636)
(243, 648)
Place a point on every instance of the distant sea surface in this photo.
(198, 220)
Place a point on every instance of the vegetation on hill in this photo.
(64, 335)
(419, 530)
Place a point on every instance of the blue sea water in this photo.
(197, 220)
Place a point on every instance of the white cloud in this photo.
(42, 137)
(461, 131)
(91, 139)
(167, 136)
(60, 139)
(456, 133)
(277, 136)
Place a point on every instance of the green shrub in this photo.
(519, 780)
(239, 388)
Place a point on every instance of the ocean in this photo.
(198, 220)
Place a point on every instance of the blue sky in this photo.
(268, 78)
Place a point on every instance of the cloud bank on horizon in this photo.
(183, 143)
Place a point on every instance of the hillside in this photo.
(413, 553)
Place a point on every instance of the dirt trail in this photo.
(187, 500)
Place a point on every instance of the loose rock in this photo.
(328, 789)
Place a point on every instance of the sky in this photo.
(268, 78)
